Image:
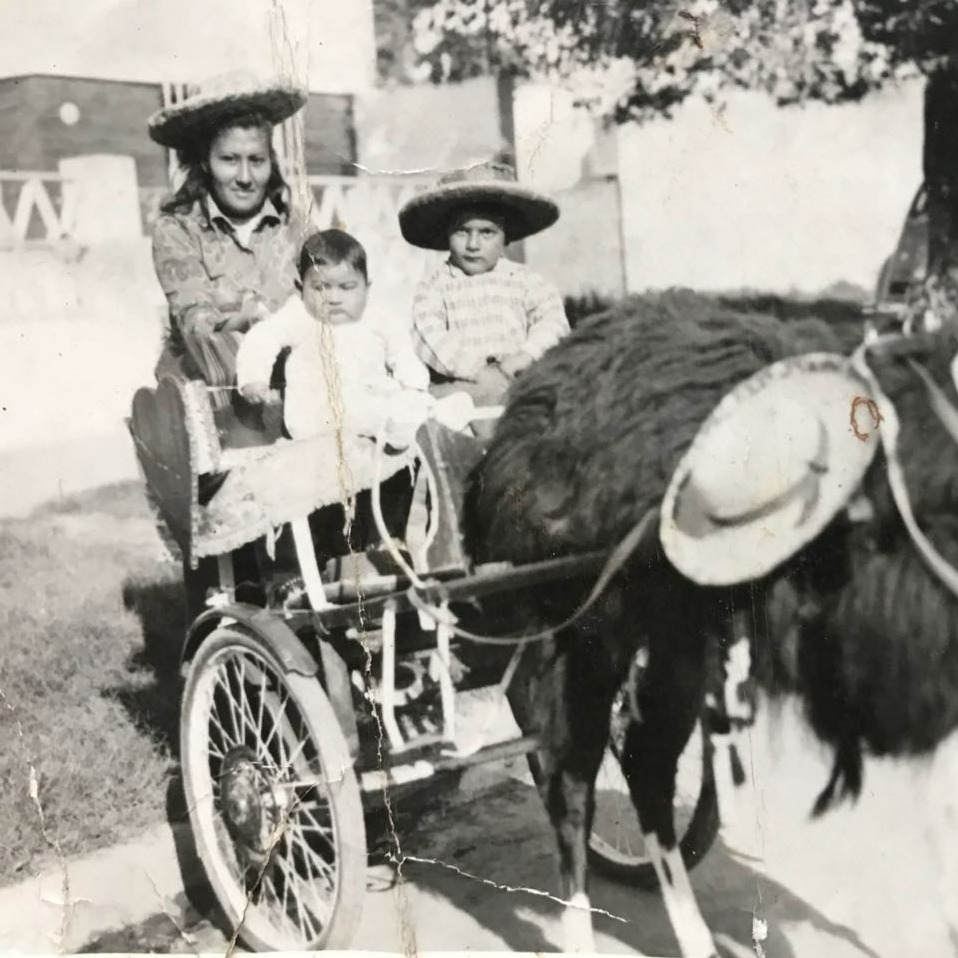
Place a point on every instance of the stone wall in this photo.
(425, 129)
(759, 197)
(582, 254)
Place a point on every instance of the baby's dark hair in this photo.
(330, 248)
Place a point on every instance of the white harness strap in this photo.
(889, 432)
(306, 556)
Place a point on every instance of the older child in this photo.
(479, 319)
(346, 370)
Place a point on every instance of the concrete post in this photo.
(114, 280)
(505, 101)
(104, 196)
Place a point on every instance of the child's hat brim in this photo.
(424, 219)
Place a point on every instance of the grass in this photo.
(90, 615)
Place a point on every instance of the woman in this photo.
(224, 248)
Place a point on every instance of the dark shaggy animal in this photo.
(855, 623)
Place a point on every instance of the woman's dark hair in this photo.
(195, 155)
(330, 248)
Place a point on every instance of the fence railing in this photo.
(35, 208)
(368, 199)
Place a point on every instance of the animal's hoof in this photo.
(577, 927)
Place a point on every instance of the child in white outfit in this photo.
(347, 374)
(346, 370)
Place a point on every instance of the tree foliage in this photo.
(634, 58)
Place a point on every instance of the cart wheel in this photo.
(616, 845)
(274, 803)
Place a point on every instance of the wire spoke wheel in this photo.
(274, 803)
(616, 845)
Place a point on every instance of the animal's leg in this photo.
(670, 702)
(569, 808)
(573, 705)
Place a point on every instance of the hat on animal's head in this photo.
(424, 220)
(217, 99)
(774, 463)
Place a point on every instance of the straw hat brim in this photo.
(177, 125)
(722, 550)
(424, 219)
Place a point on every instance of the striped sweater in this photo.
(460, 321)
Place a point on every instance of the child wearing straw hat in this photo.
(479, 319)
(224, 245)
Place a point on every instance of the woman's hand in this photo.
(235, 324)
(256, 392)
(253, 307)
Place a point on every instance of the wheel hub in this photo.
(249, 804)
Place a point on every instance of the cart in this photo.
(305, 710)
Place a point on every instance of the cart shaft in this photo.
(404, 774)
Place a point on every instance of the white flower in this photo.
(426, 39)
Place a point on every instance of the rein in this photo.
(889, 432)
(441, 613)
(613, 565)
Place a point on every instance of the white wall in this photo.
(567, 154)
(552, 137)
(776, 199)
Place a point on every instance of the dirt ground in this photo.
(481, 866)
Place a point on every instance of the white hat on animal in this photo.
(229, 94)
(772, 465)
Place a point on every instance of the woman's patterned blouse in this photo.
(211, 277)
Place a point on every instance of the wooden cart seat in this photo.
(222, 480)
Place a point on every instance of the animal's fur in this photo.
(855, 623)
(878, 664)
(592, 434)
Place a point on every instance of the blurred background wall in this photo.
(796, 201)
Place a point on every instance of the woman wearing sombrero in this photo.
(223, 247)
(479, 319)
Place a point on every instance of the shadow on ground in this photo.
(494, 857)
(153, 701)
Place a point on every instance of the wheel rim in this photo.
(261, 797)
(616, 834)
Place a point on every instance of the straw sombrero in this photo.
(424, 218)
(776, 460)
(217, 99)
